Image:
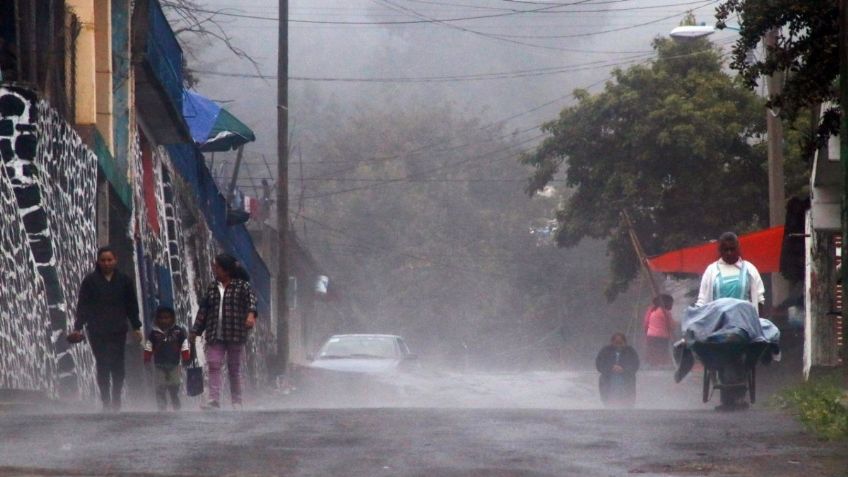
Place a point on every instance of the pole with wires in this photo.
(282, 269)
(777, 183)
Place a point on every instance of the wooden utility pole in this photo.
(777, 182)
(640, 253)
(282, 269)
(843, 149)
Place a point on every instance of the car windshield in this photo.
(359, 347)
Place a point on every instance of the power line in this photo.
(602, 32)
(429, 171)
(222, 12)
(370, 247)
(480, 7)
(444, 79)
(411, 178)
(501, 38)
(548, 8)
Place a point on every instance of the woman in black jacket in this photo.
(107, 307)
(617, 363)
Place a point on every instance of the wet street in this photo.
(275, 439)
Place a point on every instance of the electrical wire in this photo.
(548, 8)
(413, 178)
(446, 79)
(366, 245)
(408, 178)
(401, 22)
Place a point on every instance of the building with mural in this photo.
(98, 148)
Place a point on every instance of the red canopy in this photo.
(761, 248)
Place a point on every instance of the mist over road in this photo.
(505, 431)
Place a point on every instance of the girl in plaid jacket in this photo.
(226, 315)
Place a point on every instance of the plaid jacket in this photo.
(239, 300)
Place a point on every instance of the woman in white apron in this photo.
(731, 277)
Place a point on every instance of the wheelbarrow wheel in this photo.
(707, 385)
(752, 384)
(733, 383)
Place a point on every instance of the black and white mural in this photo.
(48, 242)
(52, 176)
(185, 299)
(26, 354)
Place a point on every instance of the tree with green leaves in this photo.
(807, 49)
(677, 143)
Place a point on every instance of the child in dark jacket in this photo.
(167, 344)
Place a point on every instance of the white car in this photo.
(356, 370)
(363, 354)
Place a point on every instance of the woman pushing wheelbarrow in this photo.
(724, 329)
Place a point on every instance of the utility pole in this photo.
(843, 146)
(777, 183)
(282, 269)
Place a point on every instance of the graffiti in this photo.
(53, 178)
(68, 179)
(184, 296)
(48, 239)
(24, 324)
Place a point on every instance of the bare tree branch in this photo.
(190, 18)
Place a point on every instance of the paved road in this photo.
(415, 442)
(532, 424)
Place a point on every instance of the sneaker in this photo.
(237, 406)
(210, 406)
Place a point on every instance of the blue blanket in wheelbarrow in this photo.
(726, 320)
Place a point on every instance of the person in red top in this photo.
(658, 331)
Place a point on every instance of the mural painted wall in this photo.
(52, 175)
(48, 241)
(24, 322)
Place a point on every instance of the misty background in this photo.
(405, 181)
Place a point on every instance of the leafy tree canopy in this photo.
(807, 49)
(678, 143)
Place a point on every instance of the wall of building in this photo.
(62, 195)
(53, 177)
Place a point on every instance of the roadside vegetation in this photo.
(821, 406)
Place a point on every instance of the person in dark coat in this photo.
(167, 345)
(617, 363)
(106, 308)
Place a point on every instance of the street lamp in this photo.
(688, 32)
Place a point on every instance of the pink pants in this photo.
(215, 359)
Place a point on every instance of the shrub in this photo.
(820, 406)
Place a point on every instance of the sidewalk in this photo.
(20, 401)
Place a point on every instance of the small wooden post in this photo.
(640, 253)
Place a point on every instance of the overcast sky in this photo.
(541, 49)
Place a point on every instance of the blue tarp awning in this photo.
(212, 127)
